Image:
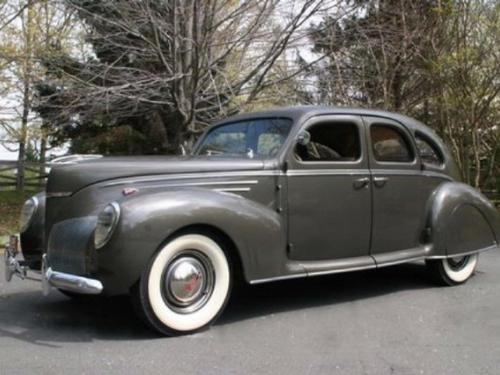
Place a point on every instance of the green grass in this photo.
(10, 207)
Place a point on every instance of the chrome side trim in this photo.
(409, 172)
(315, 273)
(204, 183)
(185, 176)
(356, 172)
(326, 172)
(277, 278)
(58, 194)
(492, 247)
(233, 189)
(342, 270)
(400, 261)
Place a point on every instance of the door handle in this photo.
(380, 181)
(360, 183)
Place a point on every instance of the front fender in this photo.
(462, 220)
(147, 220)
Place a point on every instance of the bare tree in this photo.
(377, 57)
(178, 64)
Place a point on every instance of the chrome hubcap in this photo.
(458, 263)
(188, 282)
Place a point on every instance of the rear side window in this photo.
(427, 151)
(331, 141)
(390, 145)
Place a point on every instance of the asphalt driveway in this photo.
(374, 322)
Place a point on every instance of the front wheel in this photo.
(453, 270)
(185, 286)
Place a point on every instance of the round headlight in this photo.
(106, 224)
(27, 213)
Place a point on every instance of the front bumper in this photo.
(49, 277)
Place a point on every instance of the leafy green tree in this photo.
(29, 31)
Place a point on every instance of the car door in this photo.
(329, 202)
(400, 191)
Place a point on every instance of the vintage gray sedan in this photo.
(266, 196)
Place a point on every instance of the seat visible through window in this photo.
(389, 145)
(331, 141)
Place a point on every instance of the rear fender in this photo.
(462, 220)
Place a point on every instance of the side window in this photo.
(268, 144)
(428, 153)
(390, 145)
(226, 139)
(331, 141)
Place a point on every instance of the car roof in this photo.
(306, 111)
(302, 113)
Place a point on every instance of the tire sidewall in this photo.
(158, 312)
(462, 275)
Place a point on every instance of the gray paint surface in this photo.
(388, 321)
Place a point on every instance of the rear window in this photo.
(390, 145)
(428, 152)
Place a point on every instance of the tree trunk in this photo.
(21, 157)
(43, 151)
(174, 128)
(20, 166)
(23, 138)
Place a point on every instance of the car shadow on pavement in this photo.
(51, 321)
(296, 294)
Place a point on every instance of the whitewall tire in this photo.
(453, 270)
(185, 286)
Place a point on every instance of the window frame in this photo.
(361, 163)
(434, 146)
(407, 138)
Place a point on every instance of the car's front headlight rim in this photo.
(28, 212)
(107, 221)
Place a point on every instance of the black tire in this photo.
(452, 271)
(175, 306)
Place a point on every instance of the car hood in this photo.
(68, 178)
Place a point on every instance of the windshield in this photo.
(253, 138)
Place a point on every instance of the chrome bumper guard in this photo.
(49, 277)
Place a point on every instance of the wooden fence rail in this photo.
(34, 175)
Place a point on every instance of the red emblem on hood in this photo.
(129, 191)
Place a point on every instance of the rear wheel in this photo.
(453, 270)
(185, 286)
